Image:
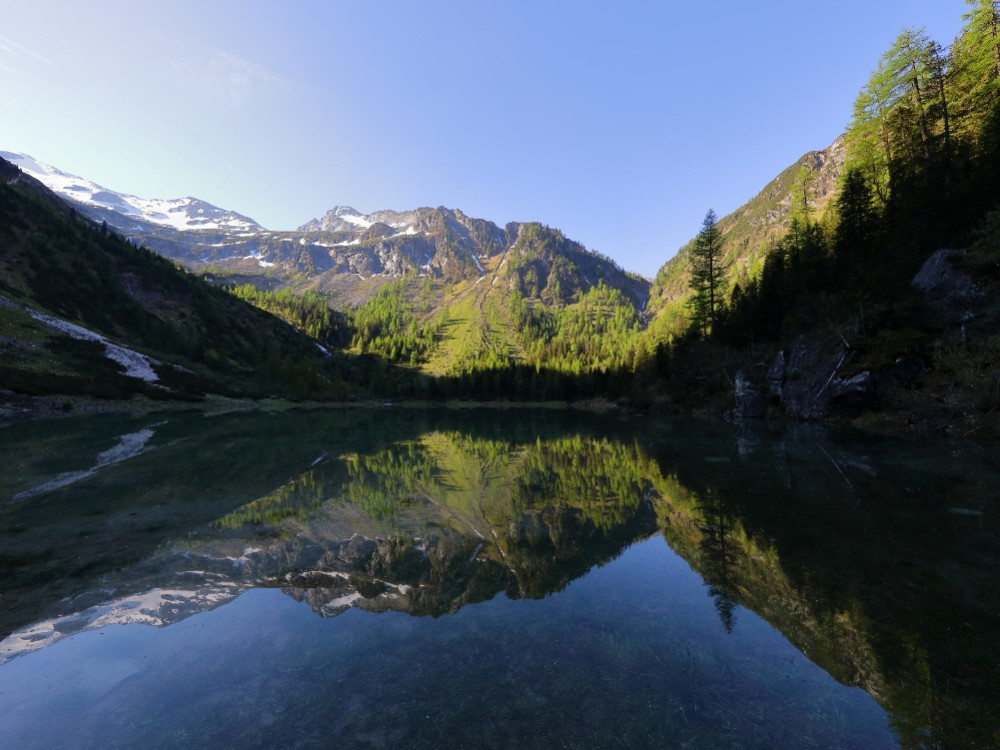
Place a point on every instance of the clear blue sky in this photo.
(619, 123)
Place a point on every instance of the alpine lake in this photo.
(488, 578)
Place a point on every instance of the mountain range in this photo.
(347, 256)
(128, 213)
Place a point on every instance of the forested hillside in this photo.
(802, 192)
(920, 174)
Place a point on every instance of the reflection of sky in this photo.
(633, 649)
(128, 446)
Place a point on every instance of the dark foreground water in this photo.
(394, 578)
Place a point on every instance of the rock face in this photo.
(947, 287)
(750, 400)
(815, 379)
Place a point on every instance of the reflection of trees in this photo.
(876, 579)
(720, 557)
(295, 498)
(545, 511)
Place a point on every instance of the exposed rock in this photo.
(378, 230)
(948, 287)
(776, 374)
(750, 400)
(816, 379)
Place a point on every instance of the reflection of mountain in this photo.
(876, 560)
(422, 525)
(67, 546)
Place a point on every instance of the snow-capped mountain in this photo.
(182, 214)
(424, 221)
(345, 254)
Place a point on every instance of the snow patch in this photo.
(408, 232)
(336, 606)
(157, 607)
(136, 365)
(360, 221)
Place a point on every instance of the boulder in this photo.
(815, 379)
(946, 287)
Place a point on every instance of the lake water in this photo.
(493, 579)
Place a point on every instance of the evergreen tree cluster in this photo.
(920, 173)
(384, 325)
(309, 312)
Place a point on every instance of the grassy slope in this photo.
(475, 318)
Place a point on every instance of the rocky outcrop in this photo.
(947, 287)
(751, 403)
(815, 379)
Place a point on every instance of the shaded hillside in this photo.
(99, 291)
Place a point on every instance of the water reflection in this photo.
(127, 446)
(874, 558)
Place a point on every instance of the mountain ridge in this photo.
(384, 242)
(478, 291)
(86, 312)
(182, 214)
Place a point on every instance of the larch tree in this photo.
(976, 55)
(870, 145)
(908, 69)
(898, 115)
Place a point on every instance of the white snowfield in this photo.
(136, 365)
(183, 214)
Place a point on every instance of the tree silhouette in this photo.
(706, 274)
